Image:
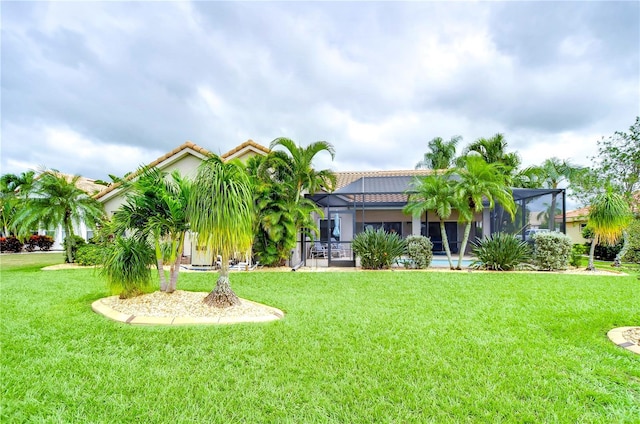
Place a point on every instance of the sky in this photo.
(98, 88)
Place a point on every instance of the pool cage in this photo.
(377, 202)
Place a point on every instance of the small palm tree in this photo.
(156, 210)
(126, 266)
(609, 215)
(221, 210)
(441, 153)
(434, 193)
(479, 181)
(56, 200)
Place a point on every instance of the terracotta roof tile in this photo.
(346, 178)
(248, 143)
(183, 146)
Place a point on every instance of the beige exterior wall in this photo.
(574, 230)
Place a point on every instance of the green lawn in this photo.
(363, 347)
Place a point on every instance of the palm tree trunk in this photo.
(222, 296)
(160, 266)
(625, 247)
(592, 252)
(465, 239)
(445, 243)
(68, 229)
(175, 266)
(552, 213)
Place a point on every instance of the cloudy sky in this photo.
(99, 88)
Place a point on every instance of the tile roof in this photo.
(85, 184)
(183, 146)
(346, 178)
(248, 143)
(578, 213)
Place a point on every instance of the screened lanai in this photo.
(373, 202)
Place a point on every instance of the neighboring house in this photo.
(366, 199)
(576, 222)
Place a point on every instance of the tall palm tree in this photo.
(434, 193)
(56, 200)
(299, 165)
(494, 151)
(609, 215)
(441, 153)
(156, 209)
(278, 216)
(479, 181)
(221, 211)
(551, 174)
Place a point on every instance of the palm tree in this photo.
(299, 165)
(126, 266)
(433, 193)
(441, 153)
(56, 200)
(221, 211)
(609, 215)
(479, 181)
(494, 151)
(14, 190)
(156, 209)
(552, 173)
(278, 216)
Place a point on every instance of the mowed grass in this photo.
(359, 347)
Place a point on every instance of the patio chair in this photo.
(318, 250)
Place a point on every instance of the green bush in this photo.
(127, 267)
(420, 251)
(378, 249)
(577, 252)
(90, 254)
(633, 249)
(501, 252)
(10, 244)
(78, 241)
(551, 251)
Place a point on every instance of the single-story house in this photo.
(361, 200)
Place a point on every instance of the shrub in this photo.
(43, 243)
(79, 241)
(90, 254)
(501, 252)
(378, 249)
(127, 267)
(10, 244)
(633, 249)
(604, 252)
(420, 250)
(577, 252)
(551, 251)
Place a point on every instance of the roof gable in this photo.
(186, 148)
(249, 147)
